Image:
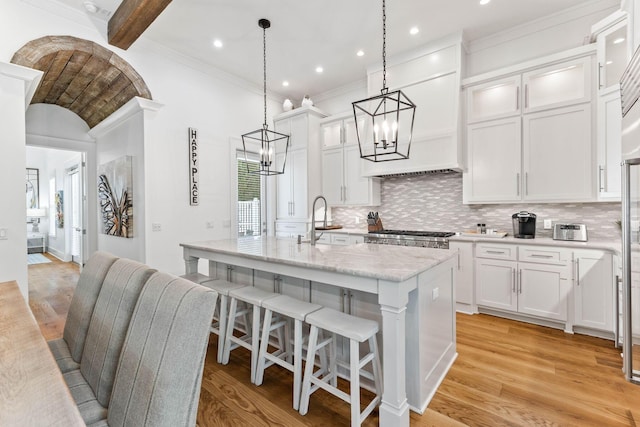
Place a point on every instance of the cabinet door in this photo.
(464, 276)
(299, 128)
(493, 100)
(331, 134)
(284, 188)
(332, 176)
(543, 290)
(557, 85)
(496, 284)
(612, 57)
(357, 189)
(284, 127)
(557, 159)
(593, 290)
(493, 156)
(300, 208)
(609, 146)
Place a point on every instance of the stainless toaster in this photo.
(565, 231)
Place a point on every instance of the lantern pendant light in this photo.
(270, 142)
(384, 123)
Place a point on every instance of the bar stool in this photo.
(357, 330)
(252, 297)
(293, 309)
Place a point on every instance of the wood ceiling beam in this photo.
(131, 19)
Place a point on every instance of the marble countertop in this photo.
(386, 262)
(612, 245)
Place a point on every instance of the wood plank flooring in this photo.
(507, 374)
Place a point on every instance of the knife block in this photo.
(376, 227)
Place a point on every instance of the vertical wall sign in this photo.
(194, 196)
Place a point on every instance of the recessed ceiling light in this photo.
(414, 30)
(319, 69)
(360, 53)
(285, 83)
(483, 2)
(609, 62)
(217, 43)
(618, 41)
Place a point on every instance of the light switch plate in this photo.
(3, 234)
(435, 293)
(547, 224)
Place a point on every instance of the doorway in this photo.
(250, 196)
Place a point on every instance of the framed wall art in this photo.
(115, 194)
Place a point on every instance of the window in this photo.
(250, 198)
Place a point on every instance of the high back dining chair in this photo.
(160, 370)
(91, 385)
(68, 350)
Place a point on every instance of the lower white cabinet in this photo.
(533, 288)
(594, 289)
(464, 276)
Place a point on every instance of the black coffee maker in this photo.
(524, 225)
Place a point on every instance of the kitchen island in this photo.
(415, 299)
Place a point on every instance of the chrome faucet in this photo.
(313, 238)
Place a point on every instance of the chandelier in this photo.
(270, 142)
(386, 131)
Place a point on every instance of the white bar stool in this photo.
(293, 309)
(219, 324)
(250, 296)
(357, 330)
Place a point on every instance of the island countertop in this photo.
(386, 262)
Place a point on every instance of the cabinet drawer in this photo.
(507, 252)
(325, 239)
(555, 256)
(340, 239)
(292, 227)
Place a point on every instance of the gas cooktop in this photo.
(425, 239)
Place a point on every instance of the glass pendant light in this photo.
(384, 123)
(270, 142)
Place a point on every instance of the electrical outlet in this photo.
(435, 293)
(547, 224)
(156, 226)
(357, 220)
(209, 224)
(3, 234)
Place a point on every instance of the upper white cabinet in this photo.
(613, 53)
(430, 79)
(529, 136)
(301, 182)
(343, 181)
(493, 100)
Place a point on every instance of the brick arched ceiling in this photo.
(81, 76)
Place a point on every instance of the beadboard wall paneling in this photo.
(434, 203)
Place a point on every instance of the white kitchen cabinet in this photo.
(557, 155)
(539, 288)
(301, 181)
(493, 161)
(343, 183)
(529, 135)
(465, 301)
(593, 289)
(557, 85)
(494, 100)
(292, 186)
(609, 146)
(613, 53)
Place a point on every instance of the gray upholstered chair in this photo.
(68, 349)
(160, 370)
(91, 384)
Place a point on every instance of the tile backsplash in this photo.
(434, 202)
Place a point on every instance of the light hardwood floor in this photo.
(507, 374)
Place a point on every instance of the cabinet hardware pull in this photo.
(520, 281)
(517, 98)
(526, 96)
(600, 67)
(526, 183)
(496, 252)
(342, 297)
(513, 280)
(601, 178)
(518, 184)
(578, 271)
(458, 259)
(540, 256)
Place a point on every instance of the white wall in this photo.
(545, 36)
(193, 96)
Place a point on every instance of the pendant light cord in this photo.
(264, 70)
(384, 45)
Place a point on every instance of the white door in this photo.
(77, 229)
(332, 176)
(493, 150)
(496, 284)
(493, 100)
(593, 290)
(357, 188)
(609, 146)
(557, 154)
(543, 290)
(284, 188)
(464, 277)
(299, 181)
